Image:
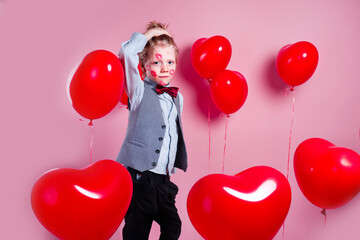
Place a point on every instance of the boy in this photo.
(154, 143)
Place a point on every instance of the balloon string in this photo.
(324, 213)
(226, 124)
(209, 134)
(290, 136)
(286, 92)
(91, 139)
(283, 236)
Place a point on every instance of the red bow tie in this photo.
(172, 91)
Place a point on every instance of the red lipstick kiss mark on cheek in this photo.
(171, 72)
(158, 56)
(153, 73)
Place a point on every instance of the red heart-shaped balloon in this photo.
(95, 88)
(83, 204)
(228, 91)
(210, 56)
(328, 176)
(251, 205)
(297, 62)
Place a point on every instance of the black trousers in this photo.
(153, 200)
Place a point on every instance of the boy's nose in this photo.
(164, 68)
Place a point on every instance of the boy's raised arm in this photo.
(129, 55)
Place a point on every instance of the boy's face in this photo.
(161, 64)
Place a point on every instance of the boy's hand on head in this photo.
(155, 32)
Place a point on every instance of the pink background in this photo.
(41, 41)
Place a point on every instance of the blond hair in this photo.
(155, 24)
(163, 39)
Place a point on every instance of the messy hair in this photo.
(163, 39)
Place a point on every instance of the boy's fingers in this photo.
(155, 32)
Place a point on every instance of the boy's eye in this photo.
(156, 63)
(171, 62)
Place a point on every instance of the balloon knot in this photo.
(90, 123)
(323, 212)
(209, 81)
(288, 90)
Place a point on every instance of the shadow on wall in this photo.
(201, 86)
(272, 78)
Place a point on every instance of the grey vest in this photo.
(146, 129)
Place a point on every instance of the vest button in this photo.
(153, 164)
(157, 151)
(160, 139)
(163, 126)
